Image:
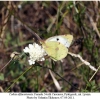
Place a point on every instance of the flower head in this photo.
(36, 53)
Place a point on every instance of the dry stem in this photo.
(84, 61)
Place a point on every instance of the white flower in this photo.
(36, 53)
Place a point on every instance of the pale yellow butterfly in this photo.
(57, 46)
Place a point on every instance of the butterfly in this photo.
(57, 46)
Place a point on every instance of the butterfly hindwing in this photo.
(55, 50)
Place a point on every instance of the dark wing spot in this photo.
(57, 39)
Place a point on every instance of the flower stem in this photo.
(17, 79)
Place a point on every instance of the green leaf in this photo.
(1, 76)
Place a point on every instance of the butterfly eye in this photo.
(57, 39)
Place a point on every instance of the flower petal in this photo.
(36, 53)
(26, 50)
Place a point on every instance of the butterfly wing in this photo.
(55, 50)
(69, 39)
(63, 39)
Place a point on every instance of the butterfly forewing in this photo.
(63, 39)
